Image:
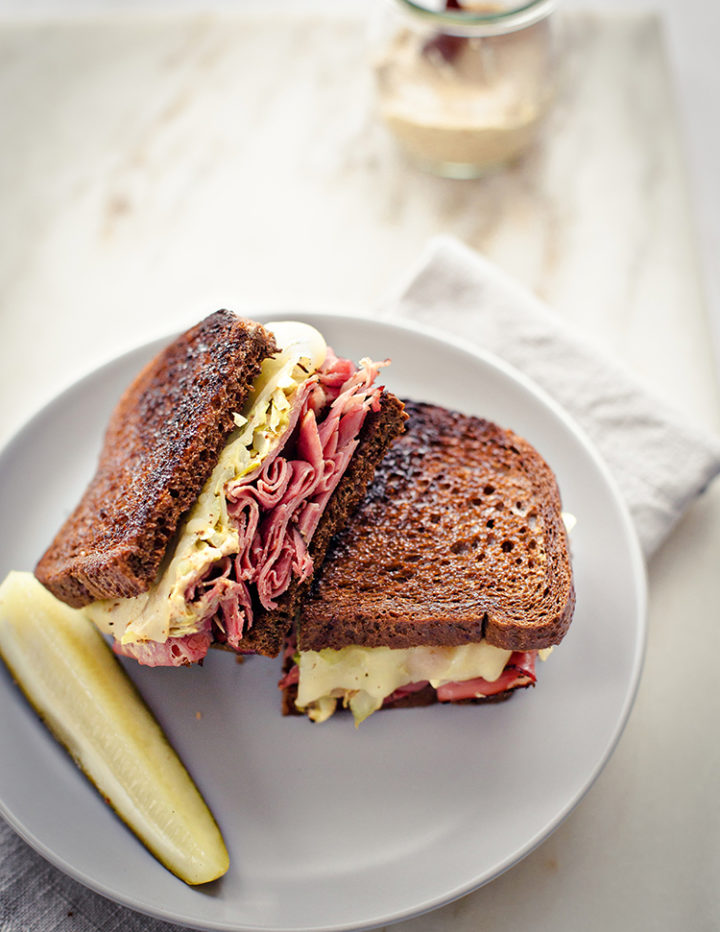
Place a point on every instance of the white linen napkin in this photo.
(660, 460)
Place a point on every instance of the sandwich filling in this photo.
(247, 536)
(364, 679)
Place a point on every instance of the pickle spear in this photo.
(79, 689)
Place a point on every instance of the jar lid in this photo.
(479, 18)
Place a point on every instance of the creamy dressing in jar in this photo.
(466, 95)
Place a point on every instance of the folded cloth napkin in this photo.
(659, 459)
(37, 897)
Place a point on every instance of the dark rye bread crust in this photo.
(380, 429)
(460, 537)
(160, 446)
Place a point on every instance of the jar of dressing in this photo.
(463, 86)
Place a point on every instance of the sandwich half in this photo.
(451, 579)
(226, 467)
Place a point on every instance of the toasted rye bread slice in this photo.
(380, 429)
(161, 444)
(460, 537)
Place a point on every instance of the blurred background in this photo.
(156, 165)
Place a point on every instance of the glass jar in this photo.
(464, 88)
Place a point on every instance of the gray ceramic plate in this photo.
(330, 827)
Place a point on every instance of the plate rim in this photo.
(638, 575)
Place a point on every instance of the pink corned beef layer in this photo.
(519, 671)
(277, 508)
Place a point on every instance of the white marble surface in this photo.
(154, 168)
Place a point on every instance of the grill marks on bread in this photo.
(161, 444)
(460, 537)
